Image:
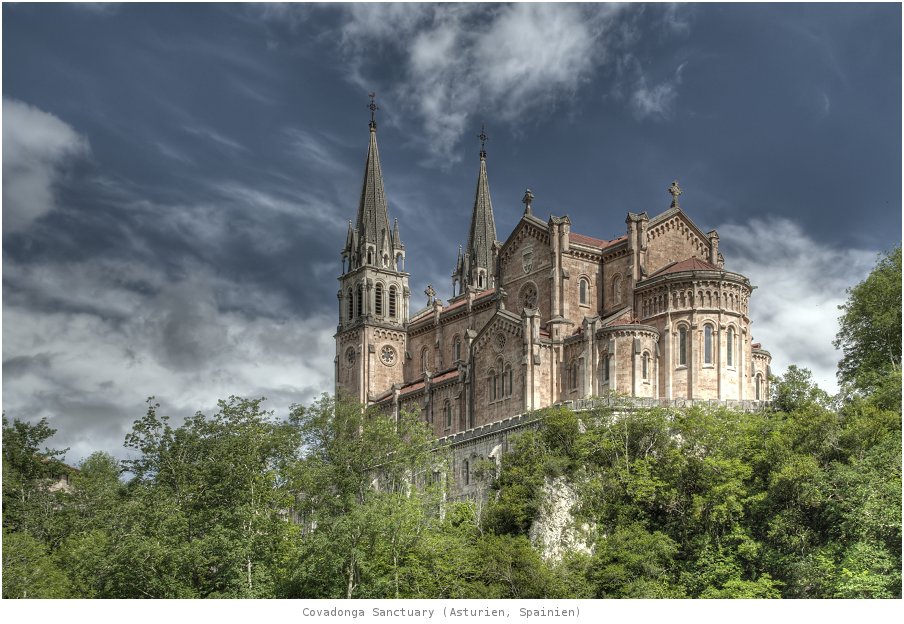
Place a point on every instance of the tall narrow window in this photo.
(491, 385)
(617, 289)
(758, 397)
(606, 367)
(447, 414)
(466, 472)
(351, 304)
(508, 374)
(425, 360)
(682, 346)
(645, 366)
(392, 302)
(583, 291)
(708, 344)
(456, 349)
(378, 300)
(359, 299)
(729, 347)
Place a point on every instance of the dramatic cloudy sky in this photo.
(177, 178)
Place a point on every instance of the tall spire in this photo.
(477, 270)
(373, 217)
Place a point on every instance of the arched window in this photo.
(707, 344)
(682, 346)
(508, 380)
(758, 388)
(378, 300)
(425, 360)
(466, 472)
(351, 304)
(645, 365)
(491, 385)
(729, 347)
(456, 349)
(447, 414)
(606, 368)
(583, 291)
(370, 256)
(359, 308)
(392, 302)
(574, 375)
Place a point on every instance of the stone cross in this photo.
(675, 191)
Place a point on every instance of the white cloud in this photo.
(37, 146)
(462, 60)
(800, 284)
(647, 101)
(85, 343)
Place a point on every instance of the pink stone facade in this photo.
(651, 313)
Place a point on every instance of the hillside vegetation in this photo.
(802, 501)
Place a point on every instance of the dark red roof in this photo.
(691, 264)
(464, 300)
(593, 242)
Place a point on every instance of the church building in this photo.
(543, 317)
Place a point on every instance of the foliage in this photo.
(342, 502)
(870, 327)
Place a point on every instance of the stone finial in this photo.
(373, 109)
(674, 191)
(431, 294)
(483, 142)
(527, 200)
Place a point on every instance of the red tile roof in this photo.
(691, 264)
(594, 242)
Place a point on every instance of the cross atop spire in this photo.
(483, 141)
(675, 191)
(373, 109)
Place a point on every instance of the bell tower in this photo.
(371, 339)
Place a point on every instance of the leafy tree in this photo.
(28, 473)
(29, 571)
(364, 487)
(870, 332)
(208, 504)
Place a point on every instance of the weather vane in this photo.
(373, 109)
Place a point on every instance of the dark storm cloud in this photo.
(177, 179)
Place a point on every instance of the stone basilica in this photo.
(545, 316)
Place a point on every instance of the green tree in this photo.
(364, 488)
(29, 471)
(208, 505)
(29, 571)
(870, 332)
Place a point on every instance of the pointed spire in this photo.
(373, 217)
(350, 238)
(478, 256)
(396, 239)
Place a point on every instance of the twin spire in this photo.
(475, 267)
(371, 241)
